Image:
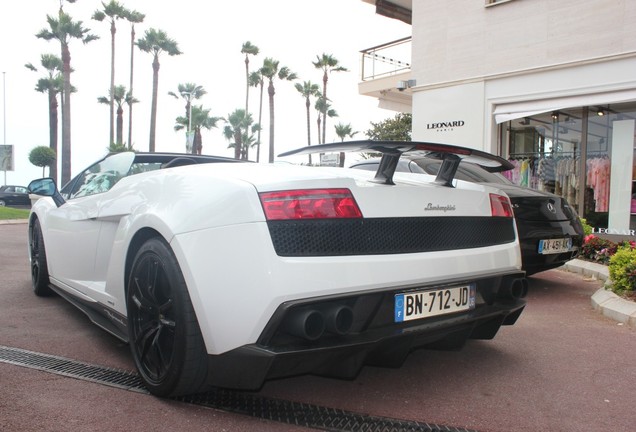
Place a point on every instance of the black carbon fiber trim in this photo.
(338, 237)
(251, 404)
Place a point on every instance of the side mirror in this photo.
(43, 186)
(46, 187)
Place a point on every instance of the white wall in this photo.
(452, 115)
(462, 39)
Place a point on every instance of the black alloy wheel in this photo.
(165, 338)
(39, 268)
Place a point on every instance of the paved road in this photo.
(562, 367)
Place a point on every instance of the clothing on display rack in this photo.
(560, 175)
(598, 178)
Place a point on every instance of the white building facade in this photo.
(549, 84)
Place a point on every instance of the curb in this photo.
(604, 300)
(13, 221)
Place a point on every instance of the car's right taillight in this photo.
(309, 204)
(500, 206)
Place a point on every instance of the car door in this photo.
(75, 230)
(22, 196)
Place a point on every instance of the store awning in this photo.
(515, 110)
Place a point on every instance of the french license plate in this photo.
(554, 246)
(424, 304)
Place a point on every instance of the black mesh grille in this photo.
(337, 237)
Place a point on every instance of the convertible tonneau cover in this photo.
(392, 150)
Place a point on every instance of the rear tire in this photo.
(165, 338)
(39, 268)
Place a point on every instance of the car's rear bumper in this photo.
(379, 342)
(531, 232)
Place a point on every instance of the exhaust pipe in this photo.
(514, 289)
(339, 319)
(306, 323)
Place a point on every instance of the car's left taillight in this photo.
(309, 204)
(500, 206)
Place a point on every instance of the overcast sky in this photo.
(210, 36)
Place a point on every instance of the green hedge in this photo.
(622, 269)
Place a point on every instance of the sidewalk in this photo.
(604, 300)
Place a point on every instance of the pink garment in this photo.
(598, 178)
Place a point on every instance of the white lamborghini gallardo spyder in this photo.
(226, 273)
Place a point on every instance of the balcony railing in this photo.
(387, 59)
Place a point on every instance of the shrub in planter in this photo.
(622, 269)
(598, 249)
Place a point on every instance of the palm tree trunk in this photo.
(324, 114)
(271, 92)
(247, 84)
(153, 109)
(53, 132)
(307, 105)
(66, 115)
(112, 82)
(130, 104)
(120, 125)
(197, 142)
(260, 125)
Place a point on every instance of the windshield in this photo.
(101, 176)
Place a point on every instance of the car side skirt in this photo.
(104, 317)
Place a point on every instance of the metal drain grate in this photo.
(313, 416)
(72, 368)
(251, 404)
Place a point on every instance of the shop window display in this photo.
(569, 152)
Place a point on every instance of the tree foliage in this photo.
(42, 156)
(397, 128)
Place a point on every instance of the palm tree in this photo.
(249, 140)
(199, 118)
(64, 29)
(237, 132)
(248, 49)
(129, 100)
(343, 131)
(114, 11)
(155, 42)
(322, 105)
(120, 97)
(189, 92)
(52, 85)
(327, 63)
(271, 70)
(133, 17)
(307, 89)
(256, 80)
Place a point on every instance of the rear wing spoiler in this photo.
(391, 151)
